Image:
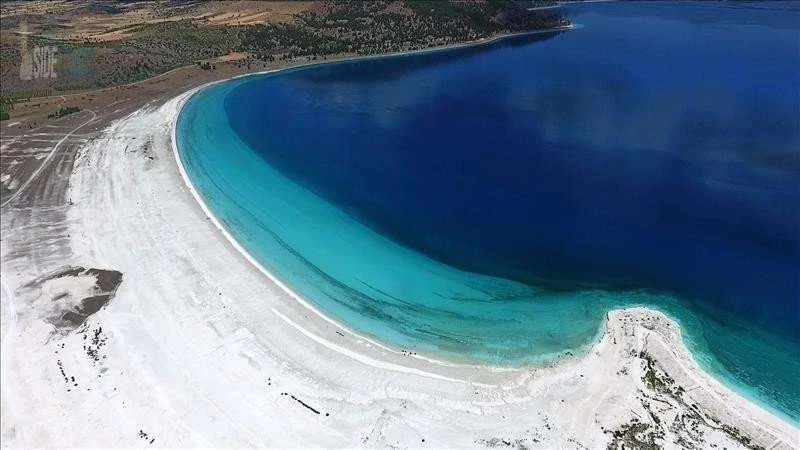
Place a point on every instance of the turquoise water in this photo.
(391, 193)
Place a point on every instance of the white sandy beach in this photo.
(198, 348)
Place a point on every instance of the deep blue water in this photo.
(651, 156)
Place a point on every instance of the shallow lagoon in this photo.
(491, 204)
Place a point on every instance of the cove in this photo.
(490, 204)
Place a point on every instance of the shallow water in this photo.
(491, 204)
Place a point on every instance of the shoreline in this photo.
(203, 351)
(185, 97)
(441, 48)
(200, 342)
(254, 262)
(554, 362)
(334, 58)
(156, 88)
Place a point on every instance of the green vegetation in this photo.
(634, 434)
(65, 111)
(7, 102)
(6, 105)
(658, 382)
(368, 27)
(686, 425)
(542, 3)
(736, 435)
(338, 28)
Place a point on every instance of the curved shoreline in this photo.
(254, 262)
(204, 352)
(556, 361)
(201, 354)
(183, 98)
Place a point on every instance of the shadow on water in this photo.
(391, 68)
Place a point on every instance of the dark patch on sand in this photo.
(107, 280)
(105, 288)
(89, 305)
(73, 314)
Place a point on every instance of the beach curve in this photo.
(197, 321)
(175, 339)
(427, 359)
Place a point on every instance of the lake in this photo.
(490, 204)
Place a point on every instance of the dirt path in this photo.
(46, 160)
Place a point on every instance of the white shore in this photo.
(199, 349)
